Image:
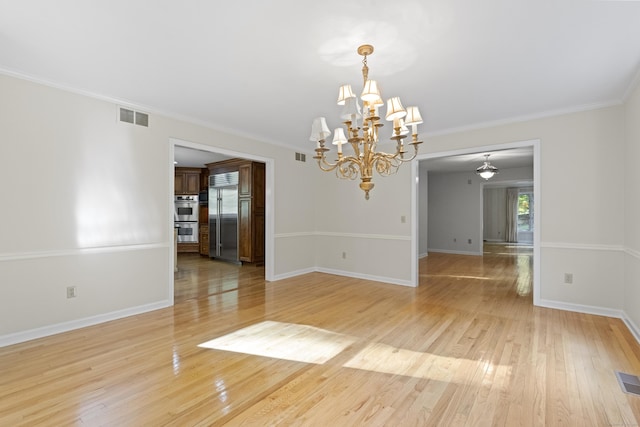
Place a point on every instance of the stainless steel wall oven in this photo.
(186, 218)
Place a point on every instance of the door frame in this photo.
(535, 144)
(269, 211)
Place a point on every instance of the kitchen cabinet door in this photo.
(187, 181)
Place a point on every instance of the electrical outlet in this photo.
(568, 278)
(403, 219)
(72, 292)
(344, 255)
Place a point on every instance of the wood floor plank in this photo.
(465, 348)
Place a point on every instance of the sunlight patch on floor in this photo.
(298, 343)
(308, 344)
(387, 359)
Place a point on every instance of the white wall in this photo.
(87, 204)
(372, 233)
(632, 212)
(455, 213)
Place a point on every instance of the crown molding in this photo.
(146, 109)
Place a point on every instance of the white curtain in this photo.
(512, 215)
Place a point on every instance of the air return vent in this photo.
(126, 115)
(629, 383)
(134, 117)
(142, 119)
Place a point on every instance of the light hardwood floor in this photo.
(466, 348)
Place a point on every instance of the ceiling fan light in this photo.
(487, 170)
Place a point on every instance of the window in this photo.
(525, 211)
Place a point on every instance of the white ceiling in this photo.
(192, 158)
(267, 68)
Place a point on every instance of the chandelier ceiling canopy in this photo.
(362, 124)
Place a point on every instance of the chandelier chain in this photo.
(365, 69)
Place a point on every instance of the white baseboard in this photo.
(598, 311)
(58, 328)
(633, 328)
(389, 280)
(579, 308)
(294, 273)
(447, 251)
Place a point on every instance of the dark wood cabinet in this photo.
(251, 212)
(251, 203)
(187, 180)
(204, 239)
(204, 179)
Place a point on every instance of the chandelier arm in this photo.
(408, 159)
(322, 160)
(347, 170)
(327, 169)
(340, 164)
(386, 166)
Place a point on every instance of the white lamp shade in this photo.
(344, 93)
(413, 116)
(395, 110)
(319, 129)
(338, 137)
(370, 92)
(351, 108)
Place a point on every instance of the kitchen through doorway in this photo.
(198, 269)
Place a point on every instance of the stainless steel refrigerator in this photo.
(223, 216)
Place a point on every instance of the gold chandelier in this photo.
(364, 138)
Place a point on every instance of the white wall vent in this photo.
(142, 119)
(134, 117)
(126, 115)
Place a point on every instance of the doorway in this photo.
(209, 152)
(420, 232)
